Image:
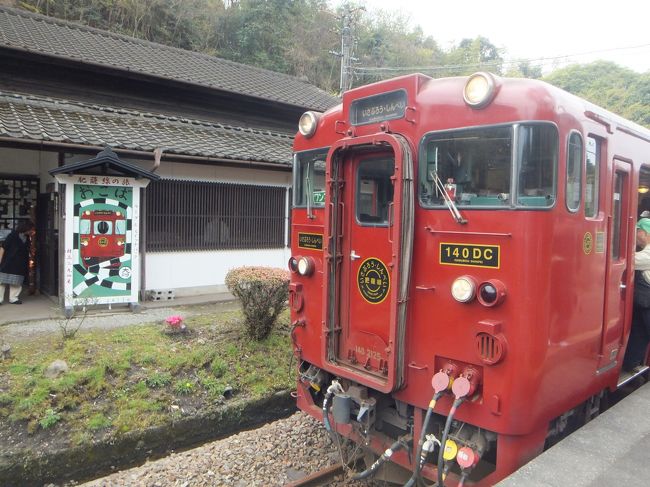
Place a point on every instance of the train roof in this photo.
(526, 94)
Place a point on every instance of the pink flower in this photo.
(175, 321)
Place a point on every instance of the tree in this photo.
(473, 55)
(609, 85)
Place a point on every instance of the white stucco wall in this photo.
(177, 270)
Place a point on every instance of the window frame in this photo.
(600, 142)
(357, 185)
(294, 177)
(514, 174)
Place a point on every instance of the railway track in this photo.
(322, 477)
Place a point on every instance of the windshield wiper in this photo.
(450, 203)
(310, 195)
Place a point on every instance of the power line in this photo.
(540, 61)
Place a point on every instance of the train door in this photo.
(368, 281)
(369, 235)
(616, 277)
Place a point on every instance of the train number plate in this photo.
(310, 241)
(470, 255)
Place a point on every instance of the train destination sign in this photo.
(378, 108)
(470, 255)
(310, 241)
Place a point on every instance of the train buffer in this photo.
(610, 450)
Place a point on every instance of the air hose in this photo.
(457, 402)
(370, 471)
(418, 460)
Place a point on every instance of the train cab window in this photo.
(593, 171)
(84, 226)
(120, 227)
(374, 191)
(309, 178)
(473, 164)
(476, 166)
(574, 172)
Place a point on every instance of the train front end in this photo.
(417, 215)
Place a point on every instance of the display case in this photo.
(18, 197)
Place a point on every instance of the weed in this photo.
(184, 387)
(218, 367)
(158, 380)
(98, 421)
(50, 418)
(212, 386)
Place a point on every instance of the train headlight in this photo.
(491, 293)
(293, 264)
(84, 242)
(305, 266)
(120, 242)
(463, 289)
(308, 123)
(479, 89)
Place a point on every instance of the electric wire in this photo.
(371, 70)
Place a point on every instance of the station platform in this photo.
(612, 449)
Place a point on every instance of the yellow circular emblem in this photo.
(102, 242)
(373, 280)
(587, 243)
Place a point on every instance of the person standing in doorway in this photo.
(14, 261)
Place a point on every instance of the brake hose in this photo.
(398, 445)
(457, 402)
(418, 462)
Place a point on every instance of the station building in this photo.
(218, 133)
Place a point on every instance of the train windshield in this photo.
(309, 178)
(502, 166)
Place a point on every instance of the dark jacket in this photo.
(16, 255)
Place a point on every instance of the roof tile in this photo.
(38, 118)
(53, 37)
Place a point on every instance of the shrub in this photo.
(263, 292)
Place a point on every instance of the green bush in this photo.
(263, 292)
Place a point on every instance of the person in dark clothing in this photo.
(14, 261)
(640, 332)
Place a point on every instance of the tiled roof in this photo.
(51, 37)
(37, 118)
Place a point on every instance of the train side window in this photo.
(574, 172)
(593, 161)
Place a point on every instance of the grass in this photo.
(127, 379)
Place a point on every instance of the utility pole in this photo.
(347, 46)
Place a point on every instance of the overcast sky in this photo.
(618, 31)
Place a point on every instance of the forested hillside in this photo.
(299, 37)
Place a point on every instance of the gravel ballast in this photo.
(273, 455)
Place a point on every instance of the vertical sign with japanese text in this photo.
(102, 221)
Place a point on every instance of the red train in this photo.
(462, 257)
(102, 237)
